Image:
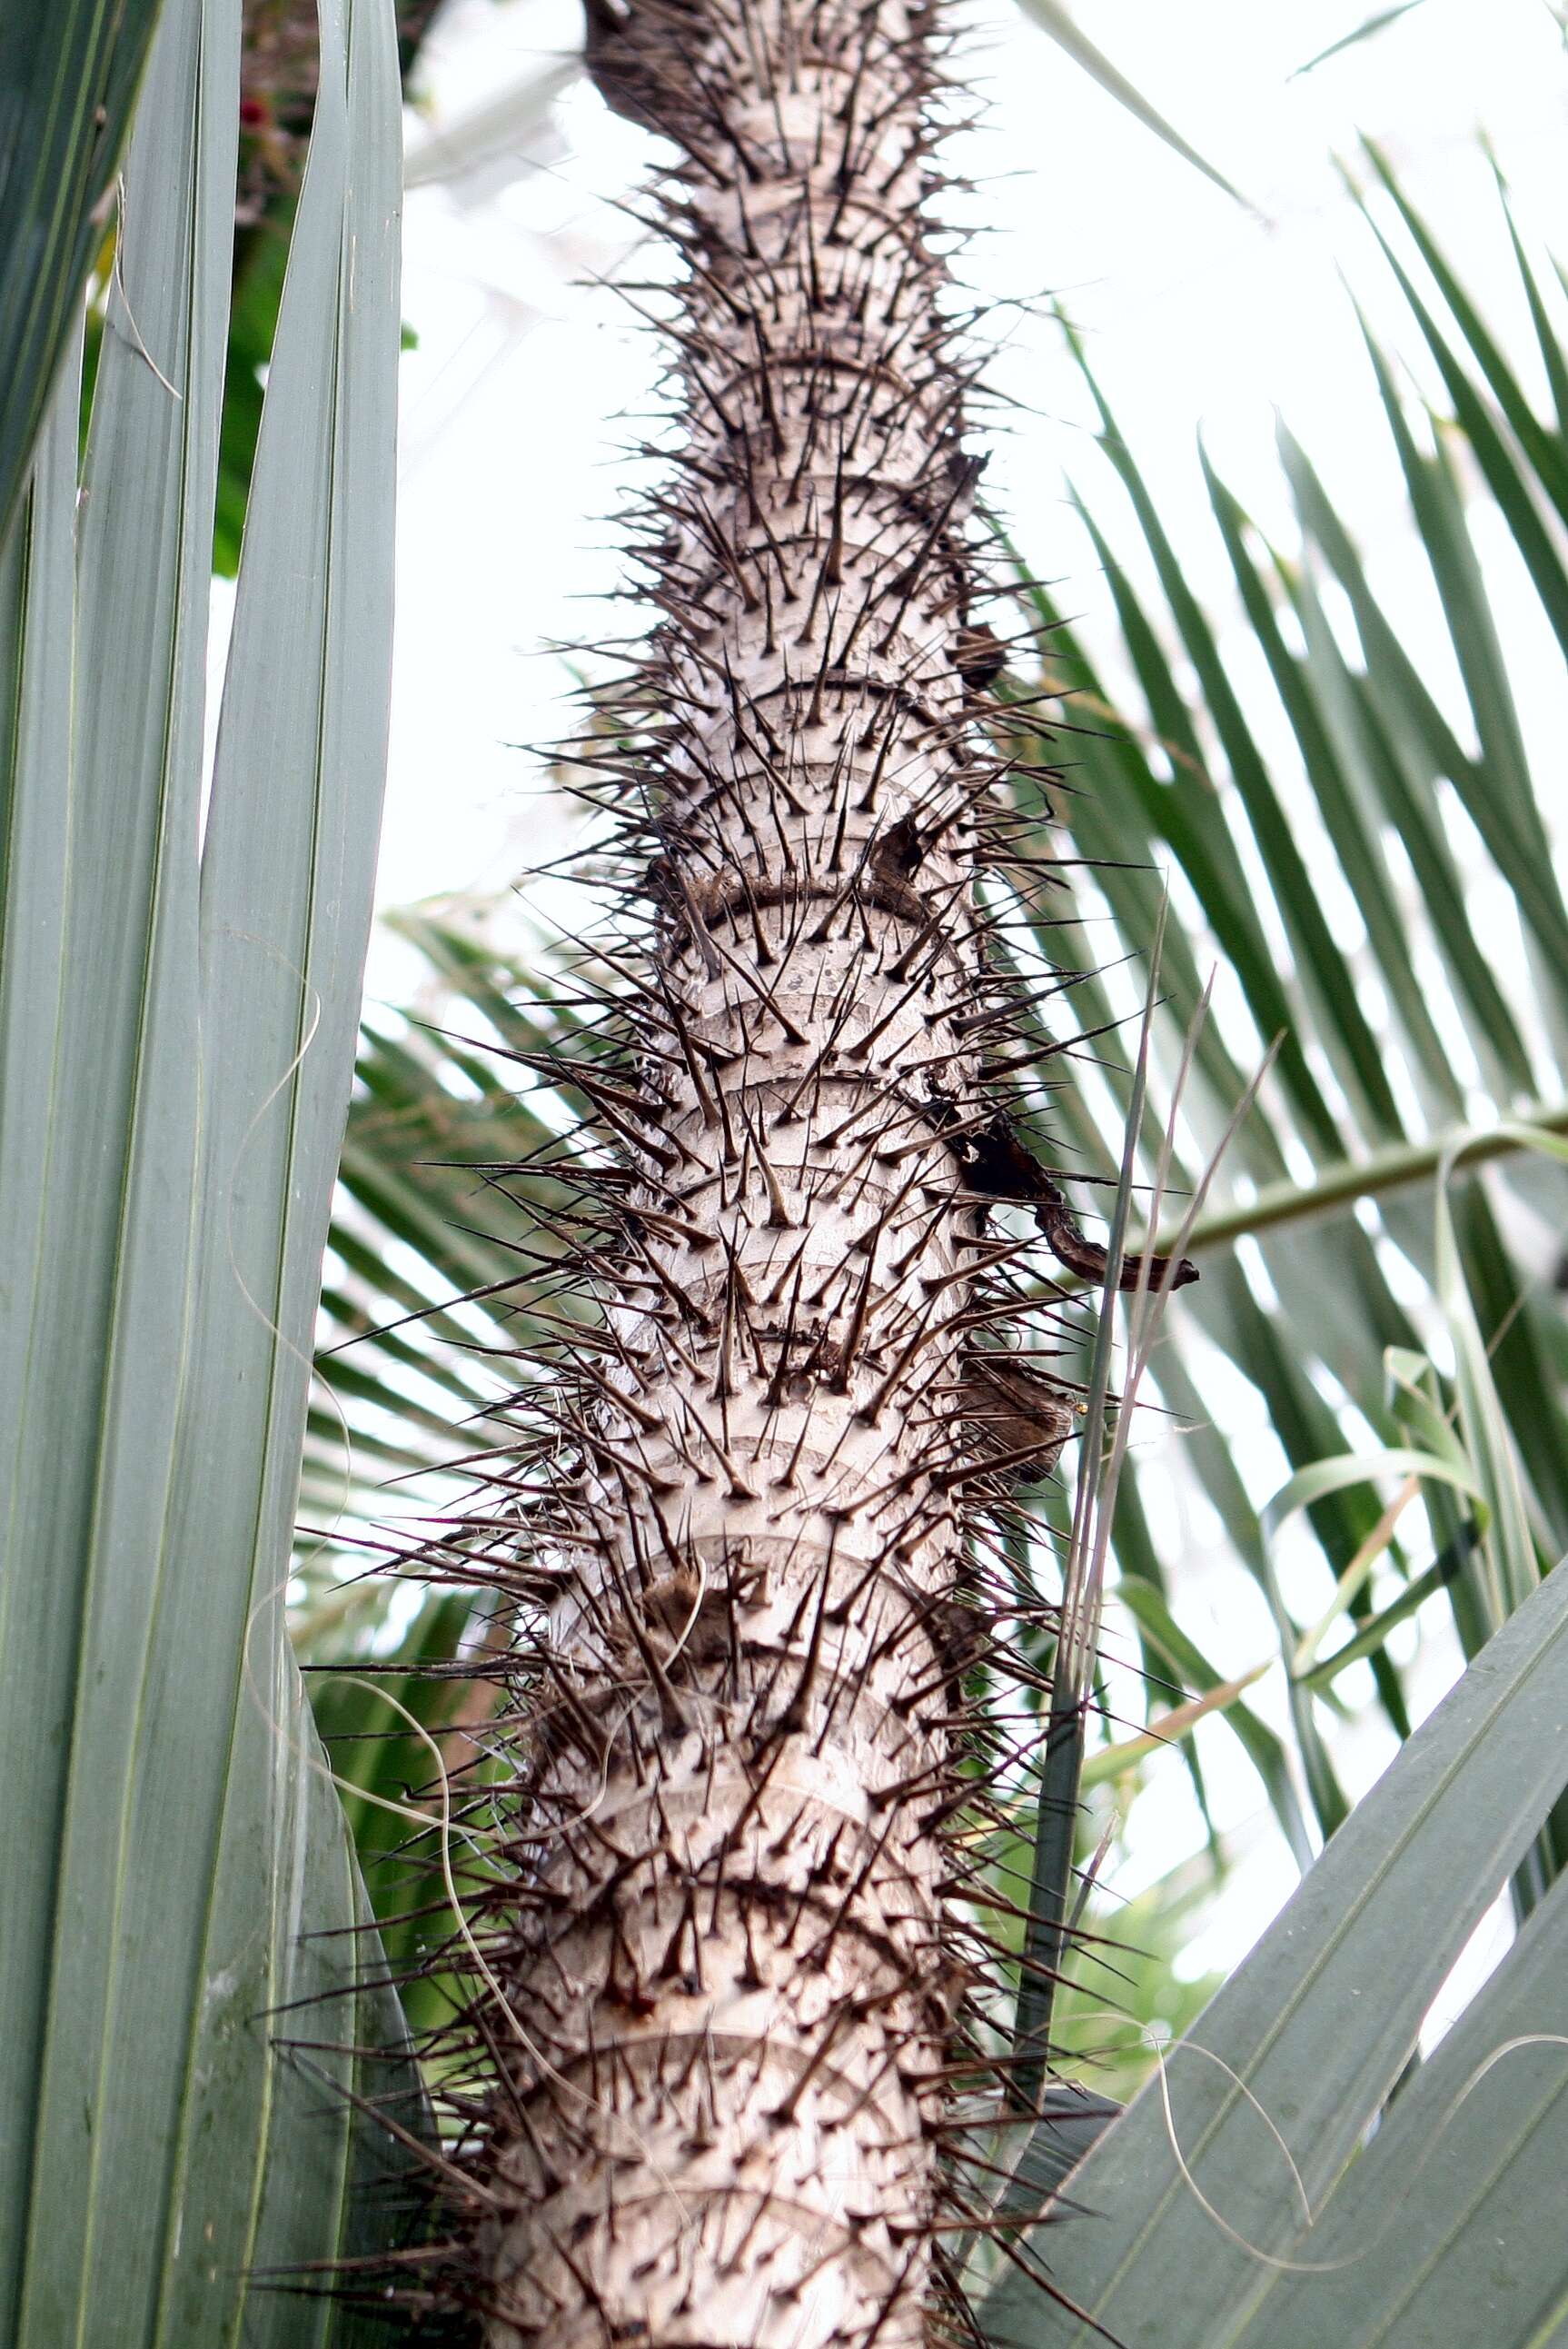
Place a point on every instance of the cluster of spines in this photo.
(727, 1998)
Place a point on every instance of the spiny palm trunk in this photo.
(722, 1995)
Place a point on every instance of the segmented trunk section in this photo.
(720, 1988)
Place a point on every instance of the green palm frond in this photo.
(1367, 861)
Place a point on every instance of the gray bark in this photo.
(724, 1990)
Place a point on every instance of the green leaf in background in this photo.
(1054, 18)
(68, 76)
(1374, 25)
(178, 1026)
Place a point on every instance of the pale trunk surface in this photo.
(727, 1981)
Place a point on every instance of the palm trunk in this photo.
(724, 1984)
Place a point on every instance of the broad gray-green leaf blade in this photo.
(68, 74)
(1315, 2026)
(286, 886)
(110, 1261)
(172, 1832)
(37, 1679)
(1449, 2228)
